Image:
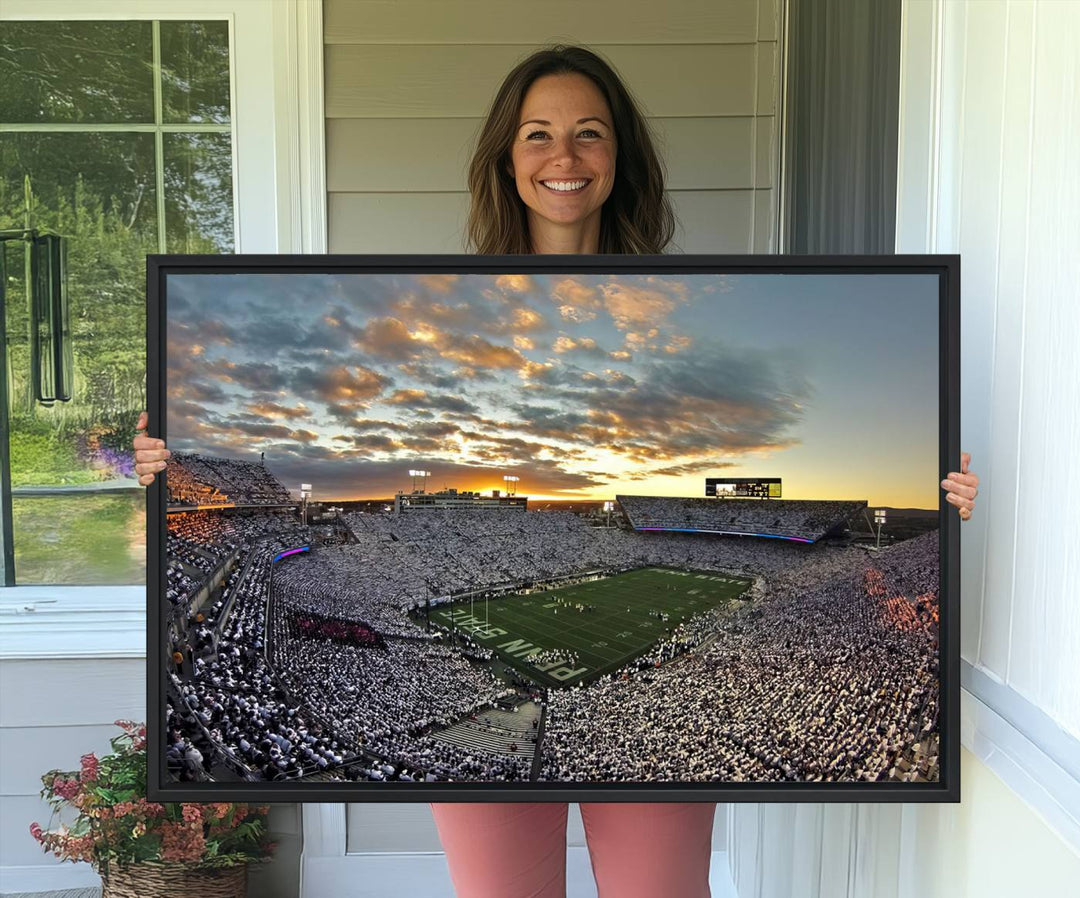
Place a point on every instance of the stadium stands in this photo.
(205, 480)
(803, 520)
(829, 675)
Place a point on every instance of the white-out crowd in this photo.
(830, 674)
(793, 518)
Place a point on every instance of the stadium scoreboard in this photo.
(743, 487)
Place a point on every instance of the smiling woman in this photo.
(562, 117)
(564, 165)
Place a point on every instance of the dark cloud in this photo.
(255, 376)
(432, 376)
(267, 408)
(195, 390)
(449, 403)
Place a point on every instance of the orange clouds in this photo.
(345, 384)
(636, 306)
(438, 283)
(534, 370)
(526, 319)
(631, 306)
(275, 412)
(677, 344)
(477, 352)
(406, 397)
(575, 293)
(387, 338)
(515, 283)
(575, 300)
(567, 344)
(642, 341)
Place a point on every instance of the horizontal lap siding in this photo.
(408, 83)
(459, 81)
(54, 712)
(482, 22)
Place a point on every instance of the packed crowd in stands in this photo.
(193, 479)
(824, 681)
(796, 518)
(237, 699)
(199, 542)
(829, 674)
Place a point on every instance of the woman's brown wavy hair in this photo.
(636, 218)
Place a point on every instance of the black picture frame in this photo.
(945, 267)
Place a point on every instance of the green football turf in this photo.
(605, 639)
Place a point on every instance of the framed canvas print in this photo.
(532, 528)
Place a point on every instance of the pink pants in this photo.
(649, 850)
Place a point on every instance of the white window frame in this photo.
(279, 206)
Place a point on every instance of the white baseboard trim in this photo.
(1046, 783)
(425, 875)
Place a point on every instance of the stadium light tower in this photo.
(879, 519)
(609, 506)
(511, 484)
(305, 495)
(423, 475)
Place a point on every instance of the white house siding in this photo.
(54, 711)
(408, 83)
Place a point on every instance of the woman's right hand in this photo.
(150, 454)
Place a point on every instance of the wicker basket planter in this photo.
(161, 880)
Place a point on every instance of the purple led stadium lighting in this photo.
(797, 539)
(289, 552)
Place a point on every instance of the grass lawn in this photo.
(622, 626)
(80, 539)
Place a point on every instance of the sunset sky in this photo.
(584, 386)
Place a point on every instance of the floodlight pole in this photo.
(305, 491)
(879, 519)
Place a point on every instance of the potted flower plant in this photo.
(142, 848)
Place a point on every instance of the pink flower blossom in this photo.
(181, 842)
(66, 789)
(89, 767)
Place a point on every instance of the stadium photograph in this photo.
(550, 528)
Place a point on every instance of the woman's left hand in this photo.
(961, 487)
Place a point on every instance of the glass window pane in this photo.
(81, 539)
(79, 515)
(97, 190)
(76, 72)
(198, 193)
(195, 72)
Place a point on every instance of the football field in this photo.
(624, 620)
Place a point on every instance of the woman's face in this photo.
(563, 154)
